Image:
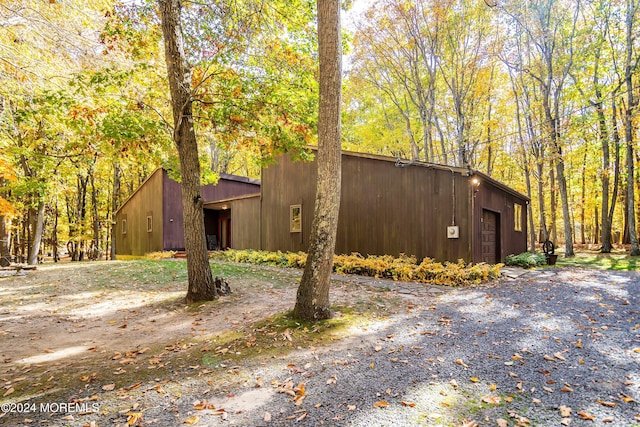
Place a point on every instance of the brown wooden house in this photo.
(391, 207)
(151, 219)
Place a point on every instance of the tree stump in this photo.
(222, 287)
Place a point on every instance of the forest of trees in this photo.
(542, 95)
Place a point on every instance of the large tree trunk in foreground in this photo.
(201, 286)
(312, 302)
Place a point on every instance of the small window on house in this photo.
(517, 217)
(149, 224)
(295, 218)
(124, 226)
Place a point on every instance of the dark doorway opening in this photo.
(217, 226)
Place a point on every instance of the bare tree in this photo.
(312, 302)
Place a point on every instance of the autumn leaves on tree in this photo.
(542, 95)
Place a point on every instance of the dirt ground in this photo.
(58, 310)
(72, 331)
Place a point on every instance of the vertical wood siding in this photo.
(491, 198)
(384, 209)
(391, 210)
(161, 197)
(144, 202)
(172, 201)
(245, 223)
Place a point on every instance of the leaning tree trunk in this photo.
(312, 302)
(201, 285)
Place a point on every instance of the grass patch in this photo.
(597, 260)
(280, 334)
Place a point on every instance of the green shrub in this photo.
(404, 268)
(526, 260)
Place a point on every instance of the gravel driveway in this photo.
(549, 348)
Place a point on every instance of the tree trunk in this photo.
(312, 302)
(527, 177)
(115, 202)
(605, 231)
(596, 233)
(629, 128)
(5, 231)
(54, 233)
(616, 164)
(37, 234)
(5, 240)
(553, 205)
(583, 200)
(201, 285)
(566, 213)
(95, 244)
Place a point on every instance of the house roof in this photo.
(219, 204)
(454, 169)
(223, 176)
(239, 178)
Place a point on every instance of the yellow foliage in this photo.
(7, 209)
(160, 255)
(404, 268)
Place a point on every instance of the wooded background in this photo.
(542, 95)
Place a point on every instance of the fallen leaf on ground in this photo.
(409, 404)
(133, 418)
(565, 411)
(491, 399)
(586, 416)
(381, 404)
(461, 363)
(559, 356)
(607, 404)
(109, 387)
